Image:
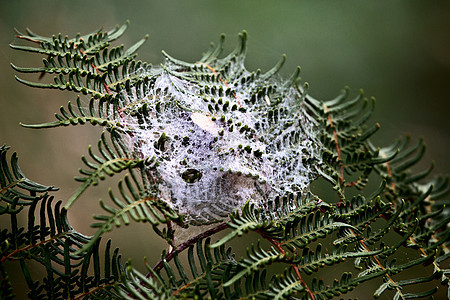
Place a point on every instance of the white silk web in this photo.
(216, 149)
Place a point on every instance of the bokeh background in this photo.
(397, 51)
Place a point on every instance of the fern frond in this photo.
(54, 244)
(6, 289)
(207, 271)
(283, 210)
(137, 204)
(66, 63)
(88, 43)
(375, 236)
(204, 142)
(307, 228)
(345, 284)
(51, 241)
(100, 113)
(114, 158)
(392, 269)
(84, 64)
(311, 261)
(138, 286)
(258, 258)
(284, 285)
(94, 84)
(16, 190)
(242, 223)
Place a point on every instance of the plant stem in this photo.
(185, 245)
(297, 272)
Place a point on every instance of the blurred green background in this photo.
(398, 51)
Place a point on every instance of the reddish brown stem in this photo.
(296, 270)
(186, 245)
(338, 149)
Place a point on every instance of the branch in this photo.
(186, 245)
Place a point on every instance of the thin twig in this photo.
(297, 272)
(186, 245)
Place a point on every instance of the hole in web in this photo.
(191, 175)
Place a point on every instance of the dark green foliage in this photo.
(112, 160)
(6, 290)
(97, 115)
(49, 240)
(17, 190)
(302, 236)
